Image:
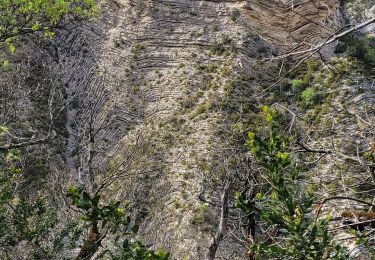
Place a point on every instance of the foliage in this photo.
(305, 77)
(111, 218)
(138, 48)
(31, 221)
(136, 250)
(364, 241)
(3, 131)
(225, 46)
(314, 81)
(297, 84)
(288, 207)
(23, 219)
(359, 48)
(370, 155)
(309, 95)
(19, 17)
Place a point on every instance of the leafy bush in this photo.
(138, 48)
(19, 17)
(288, 207)
(31, 222)
(359, 48)
(297, 84)
(24, 219)
(308, 95)
(224, 46)
(106, 219)
(138, 251)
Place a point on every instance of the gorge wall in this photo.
(159, 94)
(161, 71)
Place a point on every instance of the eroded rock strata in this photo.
(164, 84)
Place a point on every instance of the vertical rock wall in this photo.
(162, 71)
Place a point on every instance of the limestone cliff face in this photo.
(154, 77)
(293, 23)
(163, 84)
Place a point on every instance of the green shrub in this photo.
(138, 48)
(224, 46)
(286, 204)
(359, 48)
(308, 95)
(297, 84)
(235, 14)
(20, 17)
(109, 218)
(200, 215)
(218, 48)
(24, 219)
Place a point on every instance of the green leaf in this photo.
(95, 200)
(117, 204)
(135, 229)
(36, 26)
(12, 48)
(73, 190)
(85, 218)
(86, 196)
(84, 204)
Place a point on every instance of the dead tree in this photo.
(220, 233)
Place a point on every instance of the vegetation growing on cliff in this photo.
(145, 130)
(361, 48)
(286, 203)
(22, 17)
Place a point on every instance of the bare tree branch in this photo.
(222, 224)
(331, 39)
(24, 144)
(307, 149)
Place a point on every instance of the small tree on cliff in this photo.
(288, 208)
